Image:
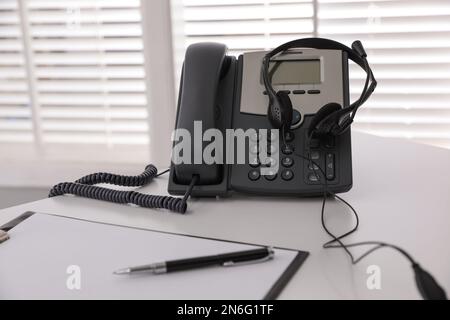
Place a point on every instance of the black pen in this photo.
(226, 260)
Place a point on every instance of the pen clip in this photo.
(231, 263)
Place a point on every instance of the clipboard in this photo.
(272, 292)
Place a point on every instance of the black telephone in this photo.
(300, 87)
(228, 93)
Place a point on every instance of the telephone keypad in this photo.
(318, 150)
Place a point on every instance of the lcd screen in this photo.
(295, 72)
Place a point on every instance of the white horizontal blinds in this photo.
(408, 43)
(15, 112)
(246, 25)
(89, 70)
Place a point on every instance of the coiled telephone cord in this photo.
(85, 187)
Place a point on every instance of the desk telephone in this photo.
(300, 88)
(310, 76)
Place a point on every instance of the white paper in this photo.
(51, 257)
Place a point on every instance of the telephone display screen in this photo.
(295, 72)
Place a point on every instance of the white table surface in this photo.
(401, 191)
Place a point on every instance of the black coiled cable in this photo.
(84, 187)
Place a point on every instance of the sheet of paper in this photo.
(51, 257)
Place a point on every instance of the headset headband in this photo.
(318, 43)
(356, 54)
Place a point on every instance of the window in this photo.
(92, 80)
(408, 43)
(72, 79)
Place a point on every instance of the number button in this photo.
(287, 174)
(287, 162)
(254, 175)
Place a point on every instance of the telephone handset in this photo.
(203, 66)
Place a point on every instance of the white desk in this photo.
(401, 191)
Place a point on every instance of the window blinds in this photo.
(15, 114)
(408, 42)
(85, 68)
(247, 24)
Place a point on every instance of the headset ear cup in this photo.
(322, 114)
(274, 112)
(286, 109)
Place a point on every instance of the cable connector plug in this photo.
(427, 285)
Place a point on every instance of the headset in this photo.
(331, 118)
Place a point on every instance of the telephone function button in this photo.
(314, 155)
(312, 177)
(285, 91)
(287, 174)
(299, 92)
(287, 149)
(313, 91)
(296, 117)
(289, 136)
(329, 166)
(287, 162)
(313, 166)
(254, 174)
